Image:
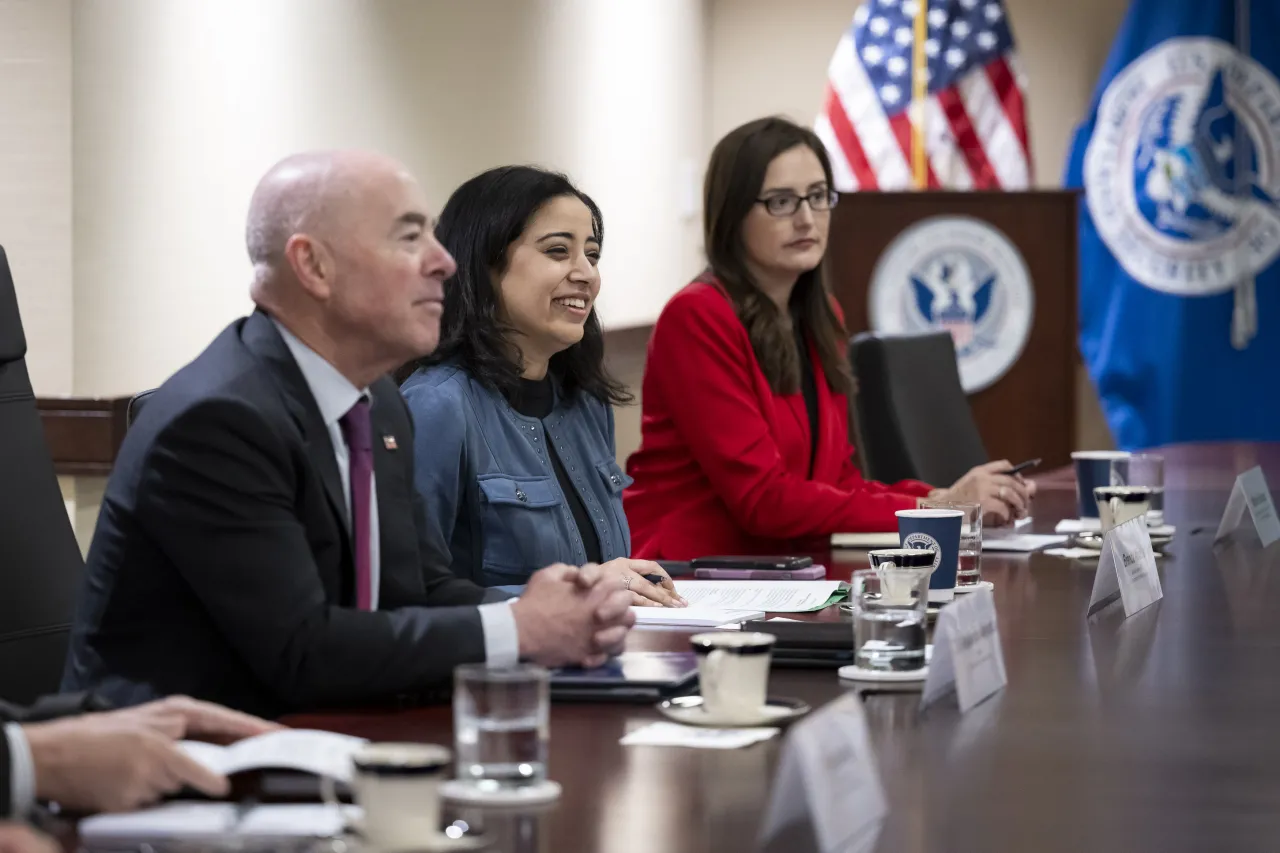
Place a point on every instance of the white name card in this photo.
(827, 783)
(1251, 494)
(966, 652)
(1128, 567)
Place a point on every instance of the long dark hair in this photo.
(479, 223)
(735, 177)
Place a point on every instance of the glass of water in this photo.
(889, 604)
(969, 569)
(501, 723)
(1147, 469)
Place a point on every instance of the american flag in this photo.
(975, 118)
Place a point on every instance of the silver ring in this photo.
(626, 583)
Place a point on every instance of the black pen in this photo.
(658, 579)
(1019, 468)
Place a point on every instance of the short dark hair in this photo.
(735, 176)
(478, 224)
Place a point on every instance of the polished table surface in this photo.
(1159, 732)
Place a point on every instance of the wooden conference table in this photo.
(1160, 732)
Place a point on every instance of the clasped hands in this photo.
(571, 615)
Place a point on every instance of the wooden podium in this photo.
(1028, 412)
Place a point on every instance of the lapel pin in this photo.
(389, 442)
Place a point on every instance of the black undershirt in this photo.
(535, 398)
(809, 387)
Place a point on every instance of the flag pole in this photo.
(1244, 313)
(919, 93)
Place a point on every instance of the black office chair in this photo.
(136, 402)
(40, 562)
(911, 415)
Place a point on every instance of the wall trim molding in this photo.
(83, 433)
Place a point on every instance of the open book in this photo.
(305, 750)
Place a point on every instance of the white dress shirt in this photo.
(334, 396)
(22, 771)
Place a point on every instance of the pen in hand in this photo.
(657, 581)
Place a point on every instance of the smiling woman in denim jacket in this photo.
(514, 425)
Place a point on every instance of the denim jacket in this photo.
(492, 498)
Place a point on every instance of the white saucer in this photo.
(690, 711)
(468, 793)
(852, 672)
(440, 843)
(974, 587)
(1093, 541)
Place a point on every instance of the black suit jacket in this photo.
(221, 565)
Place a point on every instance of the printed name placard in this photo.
(1251, 494)
(827, 779)
(1128, 567)
(966, 652)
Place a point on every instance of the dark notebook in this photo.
(639, 676)
(808, 644)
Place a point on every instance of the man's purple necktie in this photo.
(357, 429)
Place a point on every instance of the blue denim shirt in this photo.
(491, 494)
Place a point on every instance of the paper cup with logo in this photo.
(1096, 468)
(939, 531)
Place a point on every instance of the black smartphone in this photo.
(758, 564)
(1023, 466)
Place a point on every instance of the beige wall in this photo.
(181, 105)
(35, 180)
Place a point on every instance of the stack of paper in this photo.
(208, 821)
(775, 596)
(694, 616)
(864, 540)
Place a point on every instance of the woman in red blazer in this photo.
(745, 431)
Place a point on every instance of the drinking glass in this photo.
(501, 721)
(969, 568)
(1147, 469)
(889, 604)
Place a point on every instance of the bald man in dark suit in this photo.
(260, 542)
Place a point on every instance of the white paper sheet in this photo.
(1022, 542)
(698, 737)
(777, 596)
(1083, 553)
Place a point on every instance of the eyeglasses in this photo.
(786, 204)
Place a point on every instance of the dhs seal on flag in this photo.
(962, 275)
(1181, 175)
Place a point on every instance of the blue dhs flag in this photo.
(1179, 159)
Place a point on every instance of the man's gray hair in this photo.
(288, 200)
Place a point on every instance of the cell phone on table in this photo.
(757, 568)
(1022, 466)
(808, 573)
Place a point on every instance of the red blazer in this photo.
(723, 461)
